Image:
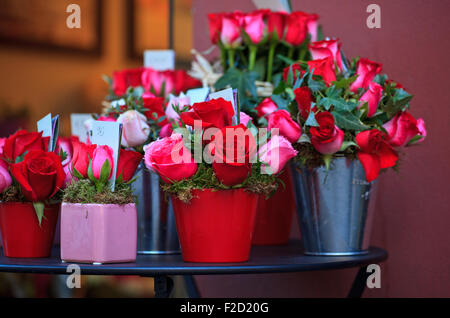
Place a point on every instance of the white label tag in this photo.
(109, 134)
(274, 5)
(226, 94)
(197, 95)
(159, 60)
(77, 124)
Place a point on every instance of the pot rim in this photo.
(98, 204)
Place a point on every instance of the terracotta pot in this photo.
(216, 226)
(21, 234)
(274, 215)
(98, 233)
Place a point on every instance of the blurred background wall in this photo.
(412, 219)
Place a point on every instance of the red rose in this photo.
(22, 141)
(183, 81)
(214, 113)
(215, 25)
(296, 28)
(327, 138)
(296, 71)
(304, 98)
(323, 67)
(81, 155)
(288, 128)
(328, 48)
(128, 163)
(266, 107)
(402, 128)
(313, 25)
(366, 71)
(372, 97)
(155, 105)
(374, 152)
(230, 33)
(40, 175)
(126, 78)
(233, 148)
(276, 22)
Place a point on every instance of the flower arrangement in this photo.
(255, 47)
(202, 157)
(330, 107)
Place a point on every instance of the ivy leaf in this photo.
(311, 120)
(347, 144)
(39, 209)
(333, 98)
(243, 81)
(346, 120)
(281, 102)
(315, 85)
(345, 82)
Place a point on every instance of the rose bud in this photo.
(327, 138)
(366, 71)
(177, 102)
(40, 175)
(128, 163)
(266, 107)
(312, 26)
(328, 48)
(135, 128)
(275, 154)
(372, 97)
(232, 160)
(244, 119)
(22, 141)
(254, 26)
(276, 24)
(215, 25)
(126, 78)
(214, 113)
(402, 128)
(288, 128)
(303, 97)
(323, 67)
(170, 159)
(153, 81)
(166, 131)
(230, 34)
(101, 155)
(5, 177)
(80, 160)
(374, 152)
(296, 28)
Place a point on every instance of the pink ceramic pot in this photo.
(98, 233)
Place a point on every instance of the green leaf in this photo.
(311, 120)
(281, 102)
(90, 173)
(285, 59)
(345, 82)
(104, 172)
(244, 81)
(347, 144)
(77, 174)
(333, 98)
(314, 85)
(39, 209)
(280, 88)
(414, 140)
(346, 120)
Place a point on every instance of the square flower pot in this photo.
(98, 233)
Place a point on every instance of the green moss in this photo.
(206, 179)
(83, 191)
(12, 194)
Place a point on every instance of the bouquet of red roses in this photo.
(331, 107)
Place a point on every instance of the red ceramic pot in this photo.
(21, 234)
(216, 226)
(274, 215)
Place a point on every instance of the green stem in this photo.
(290, 52)
(223, 57)
(302, 53)
(231, 58)
(270, 61)
(252, 57)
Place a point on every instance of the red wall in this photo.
(412, 218)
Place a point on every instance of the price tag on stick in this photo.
(109, 134)
(78, 127)
(159, 60)
(230, 95)
(49, 126)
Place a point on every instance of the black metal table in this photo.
(263, 259)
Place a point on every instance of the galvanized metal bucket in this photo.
(157, 232)
(333, 208)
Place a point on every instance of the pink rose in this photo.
(166, 131)
(312, 25)
(288, 128)
(402, 128)
(100, 156)
(254, 26)
(244, 119)
(329, 48)
(177, 102)
(275, 154)
(230, 34)
(266, 107)
(135, 128)
(5, 177)
(366, 71)
(372, 97)
(327, 138)
(170, 159)
(2, 144)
